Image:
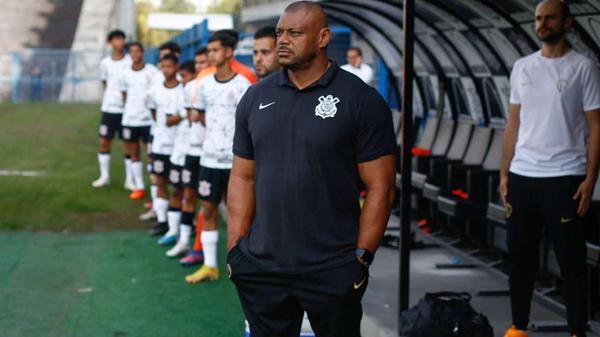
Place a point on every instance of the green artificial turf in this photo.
(75, 261)
(61, 141)
(111, 284)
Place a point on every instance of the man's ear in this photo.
(568, 22)
(324, 37)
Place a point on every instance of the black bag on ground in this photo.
(444, 314)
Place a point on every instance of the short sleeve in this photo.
(515, 96)
(375, 136)
(181, 107)
(591, 88)
(242, 140)
(151, 102)
(200, 102)
(103, 71)
(243, 89)
(187, 95)
(122, 82)
(157, 76)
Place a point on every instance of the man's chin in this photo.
(287, 63)
(551, 38)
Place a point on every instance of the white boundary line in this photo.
(19, 173)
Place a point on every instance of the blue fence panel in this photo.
(51, 75)
(189, 40)
(340, 42)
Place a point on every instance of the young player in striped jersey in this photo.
(167, 106)
(111, 68)
(135, 85)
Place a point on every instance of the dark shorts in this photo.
(175, 176)
(212, 184)
(274, 304)
(161, 165)
(191, 172)
(110, 124)
(136, 133)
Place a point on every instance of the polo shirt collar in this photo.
(323, 81)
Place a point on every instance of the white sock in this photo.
(128, 167)
(209, 244)
(153, 192)
(137, 171)
(185, 231)
(174, 218)
(104, 161)
(161, 206)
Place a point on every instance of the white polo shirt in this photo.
(554, 94)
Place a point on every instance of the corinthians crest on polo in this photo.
(326, 107)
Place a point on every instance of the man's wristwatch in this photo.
(364, 256)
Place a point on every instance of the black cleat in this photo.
(159, 229)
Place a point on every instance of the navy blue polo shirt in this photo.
(306, 145)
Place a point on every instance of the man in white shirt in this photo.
(357, 66)
(550, 165)
(215, 107)
(135, 86)
(111, 69)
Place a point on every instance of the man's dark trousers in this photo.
(274, 303)
(533, 204)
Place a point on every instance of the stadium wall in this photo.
(33, 24)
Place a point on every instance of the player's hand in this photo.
(503, 188)
(584, 194)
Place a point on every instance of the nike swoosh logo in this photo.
(566, 220)
(357, 285)
(261, 106)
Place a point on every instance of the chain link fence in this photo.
(50, 75)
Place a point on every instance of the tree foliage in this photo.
(226, 6)
(177, 6)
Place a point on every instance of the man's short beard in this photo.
(300, 62)
(553, 37)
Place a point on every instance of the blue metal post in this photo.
(15, 75)
(384, 81)
(73, 56)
